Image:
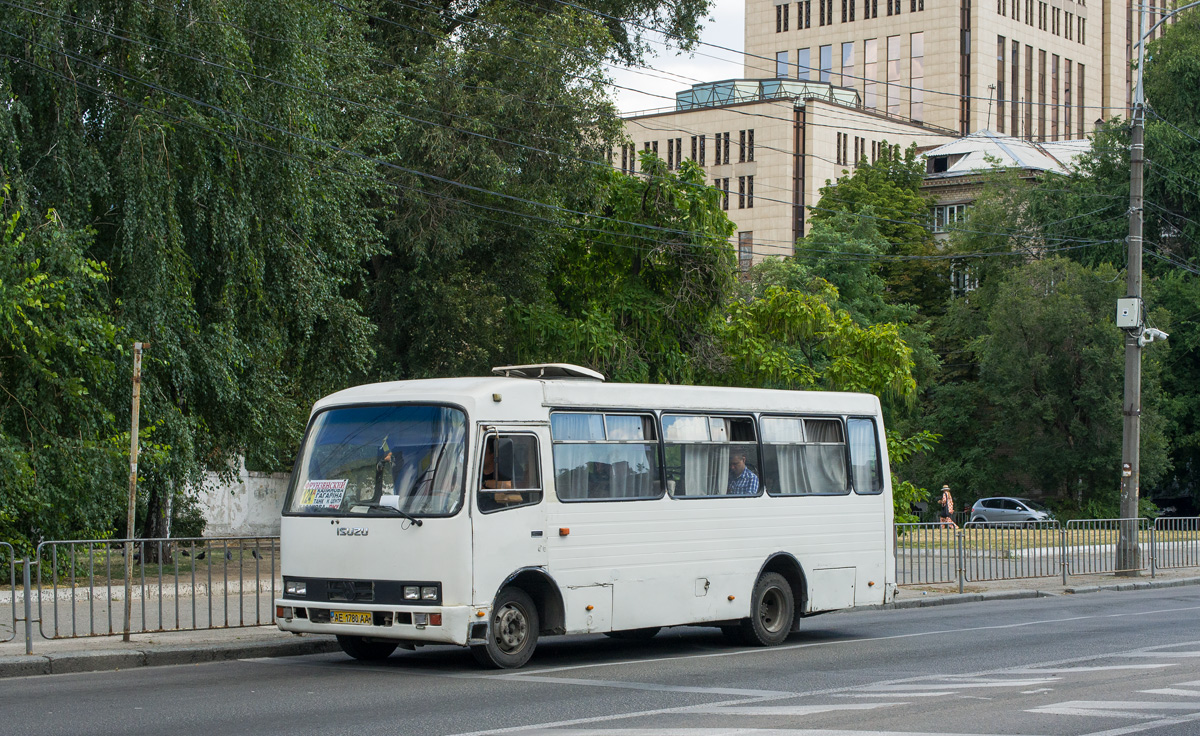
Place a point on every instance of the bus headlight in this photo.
(429, 593)
(412, 592)
(294, 588)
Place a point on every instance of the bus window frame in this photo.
(752, 416)
(804, 443)
(878, 455)
(287, 501)
(654, 415)
(479, 473)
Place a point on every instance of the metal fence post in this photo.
(28, 609)
(1062, 541)
(962, 565)
(1153, 549)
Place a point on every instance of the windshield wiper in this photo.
(393, 509)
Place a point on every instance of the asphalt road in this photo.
(1102, 665)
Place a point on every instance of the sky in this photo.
(671, 71)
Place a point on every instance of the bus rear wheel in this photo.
(366, 650)
(513, 633)
(771, 610)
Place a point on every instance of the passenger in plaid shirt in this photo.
(743, 481)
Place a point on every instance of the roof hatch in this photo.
(548, 371)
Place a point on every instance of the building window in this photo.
(693, 148)
(781, 17)
(963, 279)
(781, 64)
(1079, 122)
(893, 75)
(750, 192)
(1054, 97)
(826, 63)
(745, 249)
(741, 192)
(945, 216)
(916, 105)
(1041, 95)
(1016, 85)
(804, 14)
(852, 4)
(670, 154)
(702, 158)
(750, 144)
(1028, 12)
(1068, 26)
(1002, 7)
(1028, 92)
(845, 13)
(1082, 37)
(722, 187)
(847, 75)
(725, 147)
(821, 11)
(1067, 98)
(803, 64)
(870, 73)
(1001, 47)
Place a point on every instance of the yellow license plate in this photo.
(350, 617)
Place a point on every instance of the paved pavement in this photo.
(190, 647)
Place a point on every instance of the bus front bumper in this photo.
(417, 624)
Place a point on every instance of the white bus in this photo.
(488, 512)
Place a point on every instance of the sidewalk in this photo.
(104, 653)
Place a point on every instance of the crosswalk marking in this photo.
(787, 710)
(1122, 708)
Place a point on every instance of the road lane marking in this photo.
(1172, 691)
(841, 642)
(788, 710)
(1123, 708)
(629, 685)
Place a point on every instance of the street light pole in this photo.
(1128, 557)
(1127, 544)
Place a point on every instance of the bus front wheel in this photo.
(366, 650)
(771, 610)
(513, 633)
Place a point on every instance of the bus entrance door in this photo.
(508, 518)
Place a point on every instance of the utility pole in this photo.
(133, 463)
(1137, 335)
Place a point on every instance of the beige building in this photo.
(1030, 68)
(769, 146)
(829, 80)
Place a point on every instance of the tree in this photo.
(887, 193)
(59, 453)
(1043, 418)
(638, 293)
(186, 138)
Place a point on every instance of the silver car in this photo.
(1006, 510)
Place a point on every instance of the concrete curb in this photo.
(57, 663)
(925, 601)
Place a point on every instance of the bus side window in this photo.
(509, 473)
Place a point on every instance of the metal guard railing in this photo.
(8, 624)
(929, 553)
(176, 584)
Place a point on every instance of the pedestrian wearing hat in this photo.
(946, 512)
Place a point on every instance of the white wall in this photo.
(246, 506)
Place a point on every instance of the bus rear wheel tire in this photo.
(772, 608)
(365, 650)
(635, 634)
(513, 633)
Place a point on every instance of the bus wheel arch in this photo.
(785, 564)
(547, 598)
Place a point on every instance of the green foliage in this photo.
(1043, 417)
(639, 293)
(59, 459)
(888, 194)
(906, 494)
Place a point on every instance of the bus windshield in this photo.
(382, 460)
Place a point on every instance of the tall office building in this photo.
(829, 81)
